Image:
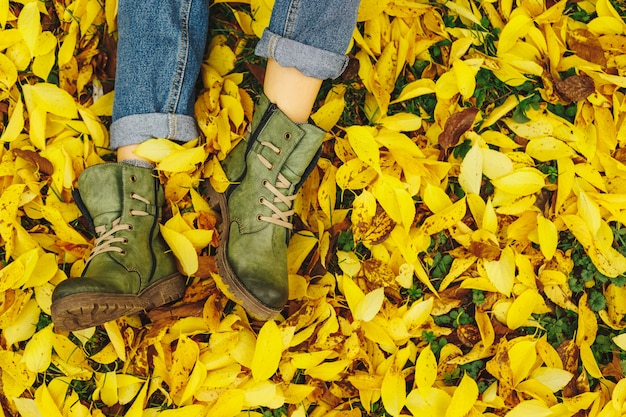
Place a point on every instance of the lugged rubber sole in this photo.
(83, 310)
(236, 290)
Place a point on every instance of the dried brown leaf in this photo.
(586, 45)
(575, 87)
(44, 165)
(468, 334)
(456, 125)
(377, 231)
(378, 272)
(489, 251)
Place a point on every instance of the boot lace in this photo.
(106, 239)
(279, 217)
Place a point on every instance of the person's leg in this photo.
(130, 268)
(305, 44)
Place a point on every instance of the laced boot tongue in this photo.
(291, 157)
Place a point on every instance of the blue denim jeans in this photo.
(161, 46)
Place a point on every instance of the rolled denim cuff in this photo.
(309, 60)
(138, 128)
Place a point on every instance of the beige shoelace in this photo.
(280, 218)
(105, 240)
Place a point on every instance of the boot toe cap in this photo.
(83, 285)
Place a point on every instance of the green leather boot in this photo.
(266, 171)
(130, 268)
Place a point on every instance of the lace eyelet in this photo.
(261, 200)
(287, 135)
(133, 178)
(130, 226)
(258, 218)
(123, 253)
(125, 241)
(264, 183)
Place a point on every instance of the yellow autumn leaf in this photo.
(115, 336)
(548, 148)
(553, 378)
(548, 236)
(184, 360)
(370, 305)
(417, 314)
(300, 246)
(199, 238)
(425, 370)
(38, 350)
(495, 164)
(523, 181)
(49, 98)
(464, 397)
(620, 341)
(395, 200)
(501, 272)
(234, 109)
(29, 26)
(221, 56)
(522, 307)
(328, 371)
(268, 350)
(445, 218)
(415, 89)
(62, 229)
(522, 356)
(401, 122)
(306, 360)
(349, 263)
(446, 87)
(435, 198)
(434, 403)
(533, 408)
(589, 361)
(194, 382)
(136, 408)
(587, 322)
(369, 9)
(466, 77)
(362, 141)
(355, 175)
(327, 116)
(470, 177)
(24, 325)
(393, 389)
(512, 31)
(182, 248)
(327, 191)
(363, 306)
(16, 121)
(182, 160)
(228, 404)
(589, 211)
(498, 113)
(156, 150)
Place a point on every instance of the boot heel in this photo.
(164, 291)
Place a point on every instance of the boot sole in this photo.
(83, 310)
(237, 291)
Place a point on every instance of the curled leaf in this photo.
(455, 126)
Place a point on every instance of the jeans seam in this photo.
(181, 64)
(290, 20)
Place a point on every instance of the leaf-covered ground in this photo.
(459, 248)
